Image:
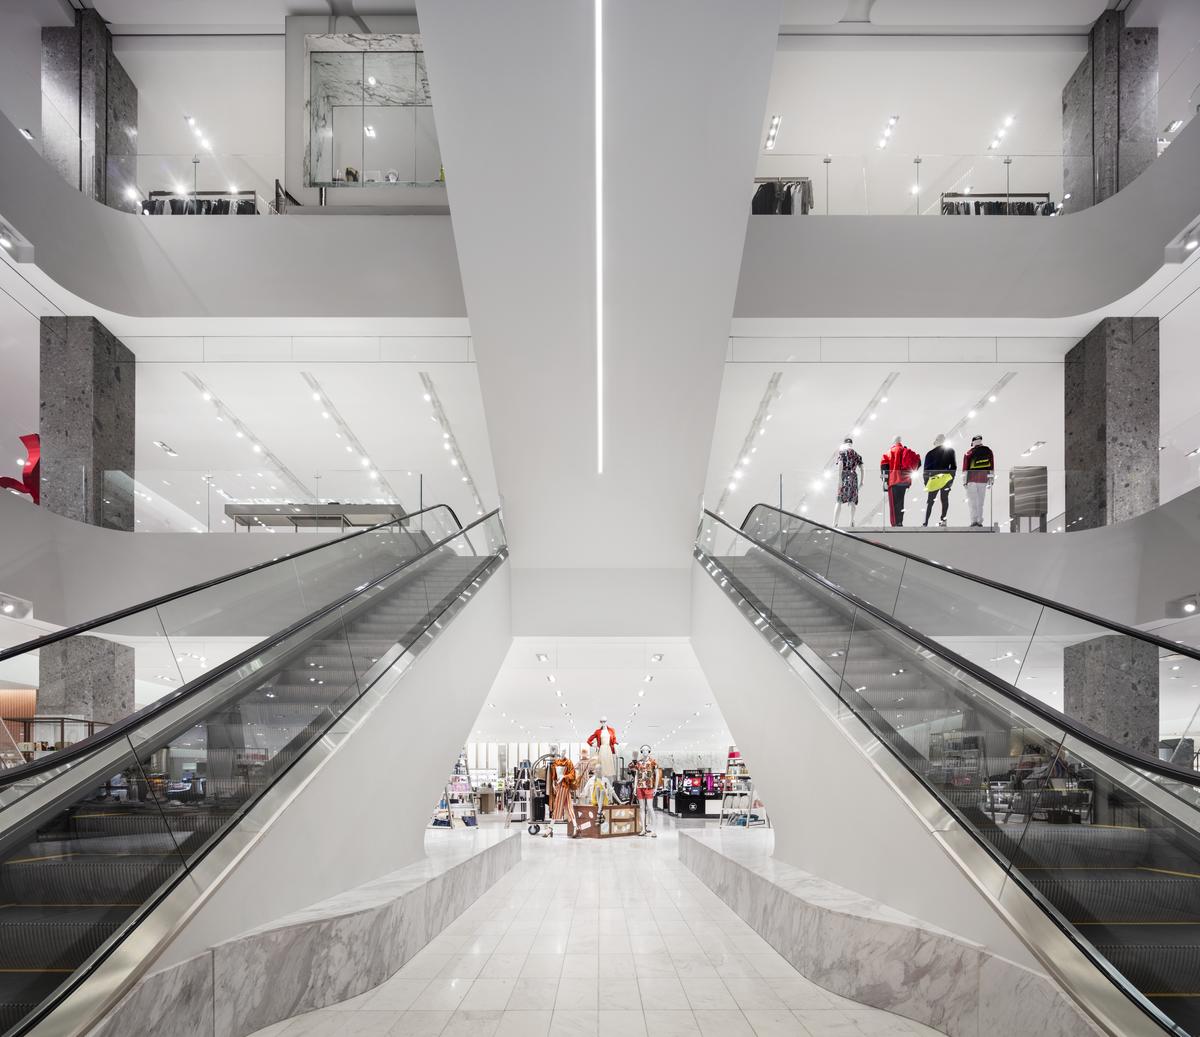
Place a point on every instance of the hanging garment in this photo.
(976, 494)
(896, 494)
(897, 465)
(605, 740)
(939, 469)
(944, 491)
(647, 777)
(766, 200)
(849, 462)
(560, 779)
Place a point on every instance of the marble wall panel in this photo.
(60, 101)
(866, 951)
(85, 676)
(1111, 685)
(319, 956)
(87, 422)
(1077, 137)
(122, 139)
(1111, 422)
(94, 45)
(1137, 103)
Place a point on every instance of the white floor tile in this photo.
(723, 1024)
(442, 994)
(670, 1024)
(524, 1024)
(543, 966)
(777, 1022)
(622, 1023)
(487, 993)
(420, 1024)
(396, 995)
(533, 994)
(575, 1024)
(708, 995)
(664, 994)
(504, 966)
(473, 1023)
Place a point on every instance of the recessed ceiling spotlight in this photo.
(191, 120)
(641, 692)
(656, 658)
(369, 131)
(1174, 126)
(27, 135)
(206, 144)
(551, 679)
(648, 678)
(371, 80)
(994, 144)
(5, 242)
(1067, 197)
(1191, 245)
(1008, 120)
(165, 449)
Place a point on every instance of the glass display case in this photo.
(370, 116)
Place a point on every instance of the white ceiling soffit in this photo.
(868, 17)
(188, 17)
(677, 76)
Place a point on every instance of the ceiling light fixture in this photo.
(26, 134)
(773, 132)
(5, 242)
(1190, 246)
(887, 131)
(656, 658)
(165, 449)
(369, 131)
(371, 80)
(1174, 126)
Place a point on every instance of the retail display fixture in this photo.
(200, 203)
(330, 515)
(782, 196)
(739, 804)
(998, 203)
(1028, 497)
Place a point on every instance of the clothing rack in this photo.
(987, 203)
(789, 196)
(203, 203)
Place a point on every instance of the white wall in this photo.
(21, 59)
(73, 572)
(366, 811)
(833, 813)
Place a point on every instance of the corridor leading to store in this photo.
(597, 937)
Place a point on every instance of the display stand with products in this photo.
(739, 805)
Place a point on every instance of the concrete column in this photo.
(87, 422)
(89, 111)
(1111, 423)
(87, 677)
(1110, 112)
(1110, 683)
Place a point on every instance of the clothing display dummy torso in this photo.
(560, 778)
(849, 471)
(604, 738)
(895, 469)
(647, 776)
(979, 468)
(941, 465)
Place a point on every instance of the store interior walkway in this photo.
(587, 937)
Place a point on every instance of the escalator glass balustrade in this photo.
(93, 837)
(1104, 839)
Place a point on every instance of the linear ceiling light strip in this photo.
(256, 444)
(598, 90)
(353, 444)
(450, 441)
(750, 444)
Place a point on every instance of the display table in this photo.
(696, 804)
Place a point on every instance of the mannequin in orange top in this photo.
(560, 781)
(604, 738)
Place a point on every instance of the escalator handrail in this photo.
(1031, 596)
(116, 731)
(125, 613)
(1051, 715)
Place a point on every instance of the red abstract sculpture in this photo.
(31, 475)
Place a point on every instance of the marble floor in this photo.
(589, 937)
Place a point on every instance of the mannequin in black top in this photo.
(939, 463)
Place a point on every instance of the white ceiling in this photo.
(230, 16)
(603, 677)
(383, 405)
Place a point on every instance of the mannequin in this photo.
(979, 467)
(604, 738)
(850, 472)
(895, 471)
(938, 474)
(560, 783)
(647, 776)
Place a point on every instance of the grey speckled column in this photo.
(1110, 112)
(87, 677)
(1111, 423)
(87, 422)
(1110, 683)
(89, 111)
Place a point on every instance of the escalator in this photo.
(964, 681)
(95, 836)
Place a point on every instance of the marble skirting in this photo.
(326, 953)
(873, 954)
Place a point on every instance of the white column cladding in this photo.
(520, 165)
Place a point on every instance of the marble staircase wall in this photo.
(320, 955)
(859, 948)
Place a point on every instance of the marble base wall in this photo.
(1111, 685)
(89, 111)
(1111, 423)
(87, 677)
(323, 955)
(87, 422)
(870, 953)
(1110, 112)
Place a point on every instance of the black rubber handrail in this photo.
(125, 613)
(116, 731)
(997, 684)
(1037, 599)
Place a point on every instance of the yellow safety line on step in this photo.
(48, 857)
(1165, 871)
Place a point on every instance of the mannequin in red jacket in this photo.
(604, 738)
(895, 471)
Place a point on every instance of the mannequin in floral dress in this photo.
(647, 776)
(849, 466)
